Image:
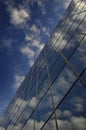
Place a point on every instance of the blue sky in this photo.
(25, 26)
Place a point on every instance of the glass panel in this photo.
(70, 22)
(72, 46)
(31, 90)
(15, 127)
(77, 21)
(48, 45)
(75, 11)
(82, 25)
(84, 9)
(29, 125)
(84, 76)
(41, 60)
(52, 59)
(70, 9)
(72, 112)
(50, 124)
(56, 68)
(81, 6)
(49, 52)
(78, 59)
(42, 73)
(44, 108)
(62, 84)
(42, 88)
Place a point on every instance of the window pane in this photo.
(72, 112)
(78, 59)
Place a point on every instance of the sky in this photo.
(25, 26)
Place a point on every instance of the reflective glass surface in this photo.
(53, 94)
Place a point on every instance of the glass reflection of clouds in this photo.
(59, 73)
(72, 113)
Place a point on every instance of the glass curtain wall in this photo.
(53, 94)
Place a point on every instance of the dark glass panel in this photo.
(78, 59)
(72, 112)
(62, 84)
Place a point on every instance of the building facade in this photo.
(53, 94)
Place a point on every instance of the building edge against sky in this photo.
(53, 94)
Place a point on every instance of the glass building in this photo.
(53, 94)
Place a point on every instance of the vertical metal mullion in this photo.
(50, 88)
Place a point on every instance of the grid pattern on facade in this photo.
(53, 94)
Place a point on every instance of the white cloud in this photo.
(19, 16)
(79, 5)
(37, 44)
(14, 127)
(79, 107)
(62, 41)
(61, 123)
(82, 52)
(64, 124)
(78, 103)
(28, 38)
(66, 78)
(30, 125)
(17, 109)
(17, 81)
(7, 43)
(1, 128)
(42, 6)
(59, 113)
(35, 29)
(79, 123)
(46, 30)
(33, 102)
(67, 113)
(19, 101)
(32, 49)
(34, 34)
(27, 51)
(57, 43)
(29, 54)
